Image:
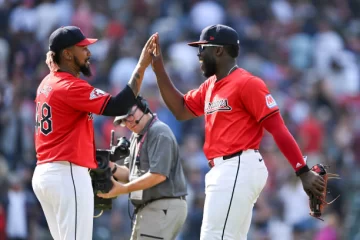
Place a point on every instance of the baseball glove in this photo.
(317, 204)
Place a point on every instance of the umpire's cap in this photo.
(217, 34)
(142, 104)
(68, 36)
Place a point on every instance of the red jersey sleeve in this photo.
(84, 97)
(258, 100)
(194, 100)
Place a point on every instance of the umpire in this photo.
(152, 174)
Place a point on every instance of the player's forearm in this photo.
(285, 141)
(173, 98)
(119, 105)
(136, 79)
(146, 181)
(288, 146)
(121, 174)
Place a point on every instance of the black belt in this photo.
(152, 200)
(180, 197)
(232, 155)
(141, 206)
(211, 161)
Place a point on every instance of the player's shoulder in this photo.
(57, 84)
(49, 85)
(250, 80)
(70, 80)
(59, 80)
(75, 85)
(242, 75)
(209, 81)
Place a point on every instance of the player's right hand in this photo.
(313, 183)
(157, 61)
(146, 54)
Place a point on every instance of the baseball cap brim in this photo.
(119, 120)
(86, 42)
(196, 44)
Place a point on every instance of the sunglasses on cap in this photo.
(202, 47)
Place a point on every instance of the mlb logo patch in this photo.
(96, 93)
(270, 101)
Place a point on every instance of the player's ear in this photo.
(219, 51)
(67, 54)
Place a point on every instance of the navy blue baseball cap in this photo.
(217, 34)
(68, 36)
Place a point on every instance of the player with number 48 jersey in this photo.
(64, 134)
(64, 126)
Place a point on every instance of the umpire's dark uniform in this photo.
(161, 210)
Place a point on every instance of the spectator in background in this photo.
(2, 222)
(17, 226)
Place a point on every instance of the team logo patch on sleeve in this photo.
(95, 93)
(270, 101)
(45, 90)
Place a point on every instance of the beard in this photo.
(83, 68)
(210, 67)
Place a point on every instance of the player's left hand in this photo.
(116, 190)
(313, 183)
(157, 60)
(146, 54)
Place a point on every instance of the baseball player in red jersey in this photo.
(64, 135)
(237, 107)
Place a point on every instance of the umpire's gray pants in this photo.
(161, 219)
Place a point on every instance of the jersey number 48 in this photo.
(43, 119)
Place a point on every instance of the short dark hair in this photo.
(232, 50)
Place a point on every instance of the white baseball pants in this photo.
(66, 196)
(232, 188)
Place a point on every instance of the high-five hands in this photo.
(157, 60)
(147, 52)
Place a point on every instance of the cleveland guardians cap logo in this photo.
(217, 105)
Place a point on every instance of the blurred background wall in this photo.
(307, 52)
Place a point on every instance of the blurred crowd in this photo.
(307, 52)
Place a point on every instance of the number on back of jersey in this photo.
(43, 119)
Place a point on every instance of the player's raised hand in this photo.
(157, 60)
(116, 190)
(146, 53)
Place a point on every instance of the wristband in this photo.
(302, 170)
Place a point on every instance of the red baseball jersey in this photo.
(64, 122)
(234, 108)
